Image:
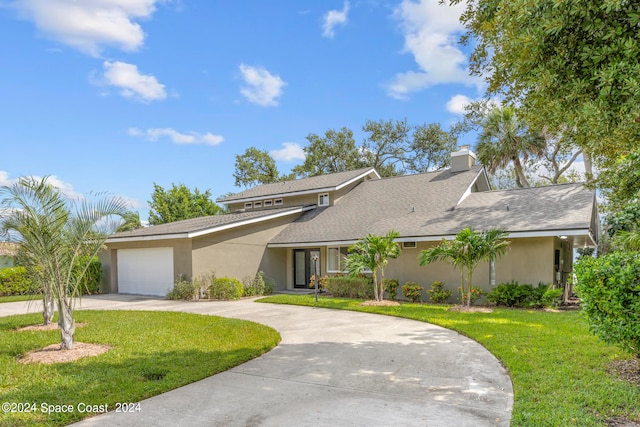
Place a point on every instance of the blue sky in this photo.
(114, 95)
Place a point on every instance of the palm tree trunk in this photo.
(469, 275)
(65, 323)
(462, 292)
(520, 172)
(381, 284)
(48, 306)
(375, 284)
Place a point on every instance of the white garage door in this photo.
(145, 271)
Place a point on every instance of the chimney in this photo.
(463, 159)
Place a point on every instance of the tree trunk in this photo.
(65, 323)
(588, 165)
(469, 273)
(462, 291)
(520, 172)
(375, 284)
(381, 285)
(48, 307)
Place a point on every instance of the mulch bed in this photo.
(384, 303)
(49, 327)
(54, 354)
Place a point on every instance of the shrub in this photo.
(391, 287)
(90, 283)
(350, 287)
(226, 288)
(437, 293)
(609, 291)
(16, 281)
(257, 285)
(476, 294)
(513, 294)
(412, 291)
(552, 297)
(184, 289)
(322, 284)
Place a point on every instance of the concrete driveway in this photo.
(332, 367)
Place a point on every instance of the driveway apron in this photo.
(332, 368)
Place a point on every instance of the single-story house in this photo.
(8, 252)
(281, 228)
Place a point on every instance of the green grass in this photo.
(558, 368)
(153, 352)
(14, 298)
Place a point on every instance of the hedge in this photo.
(16, 281)
(350, 287)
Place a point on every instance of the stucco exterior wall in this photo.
(182, 264)
(242, 252)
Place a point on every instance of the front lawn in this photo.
(558, 368)
(14, 298)
(153, 352)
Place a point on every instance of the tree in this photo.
(336, 151)
(568, 65)
(466, 251)
(386, 145)
(373, 253)
(431, 148)
(255, 167)
(131, 221)
(59, 240)
(504, 140)
(179, 203)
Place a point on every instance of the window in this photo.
(277, 202)
(409, 245)
(248, 205)
(323, 199)
(267, 203)
(492, 272)
(336, 259)
(257, 204)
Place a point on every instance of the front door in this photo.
(305, 263)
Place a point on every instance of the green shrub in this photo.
(350, 287)
(391, 288)
(412, 291)
(437, 293)
(90, 283)
(16, 281)
(226, 288)
(257, 285)
(552, 297)
(476, 294)
(609, 291)
(184, 289)
(513, 294)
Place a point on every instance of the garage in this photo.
(147, 271)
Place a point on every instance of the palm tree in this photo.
(466, 251)
(373, 253)
(628, 240)
(504, 139)
(59, 239)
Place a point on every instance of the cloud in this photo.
(132, 84)
(457, 103)
(289, 152)
(260, 86)
(153, 134)
(333, 18)
(89, 25)
(64, 187)
(431, 35)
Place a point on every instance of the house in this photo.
(291, 229)
(7, 254)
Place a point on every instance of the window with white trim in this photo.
(323, 199)
(277, 202)
(336, 257)
(248, 205)
(257, 204)
(267, 203)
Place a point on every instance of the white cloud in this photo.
(289, 152)
(153, 134)
(333, 18)
(457, 103)
(132, 84)
(431, 33)
(64, 187)
(89, 25)
(260, 86)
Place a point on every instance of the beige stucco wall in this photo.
(182, 264)
(242, 252)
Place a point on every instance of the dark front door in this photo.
(305, 262)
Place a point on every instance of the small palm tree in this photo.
(627, 240)
(465, 252)
(373, 253)
(59, 239)
(504, 139)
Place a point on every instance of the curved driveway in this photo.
(334, 368)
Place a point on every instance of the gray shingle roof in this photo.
(200, 224)
(424, 205)
(402, 203)
(305, 184)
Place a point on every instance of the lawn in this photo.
(558, 368)
(153, 352)
(14, 298)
